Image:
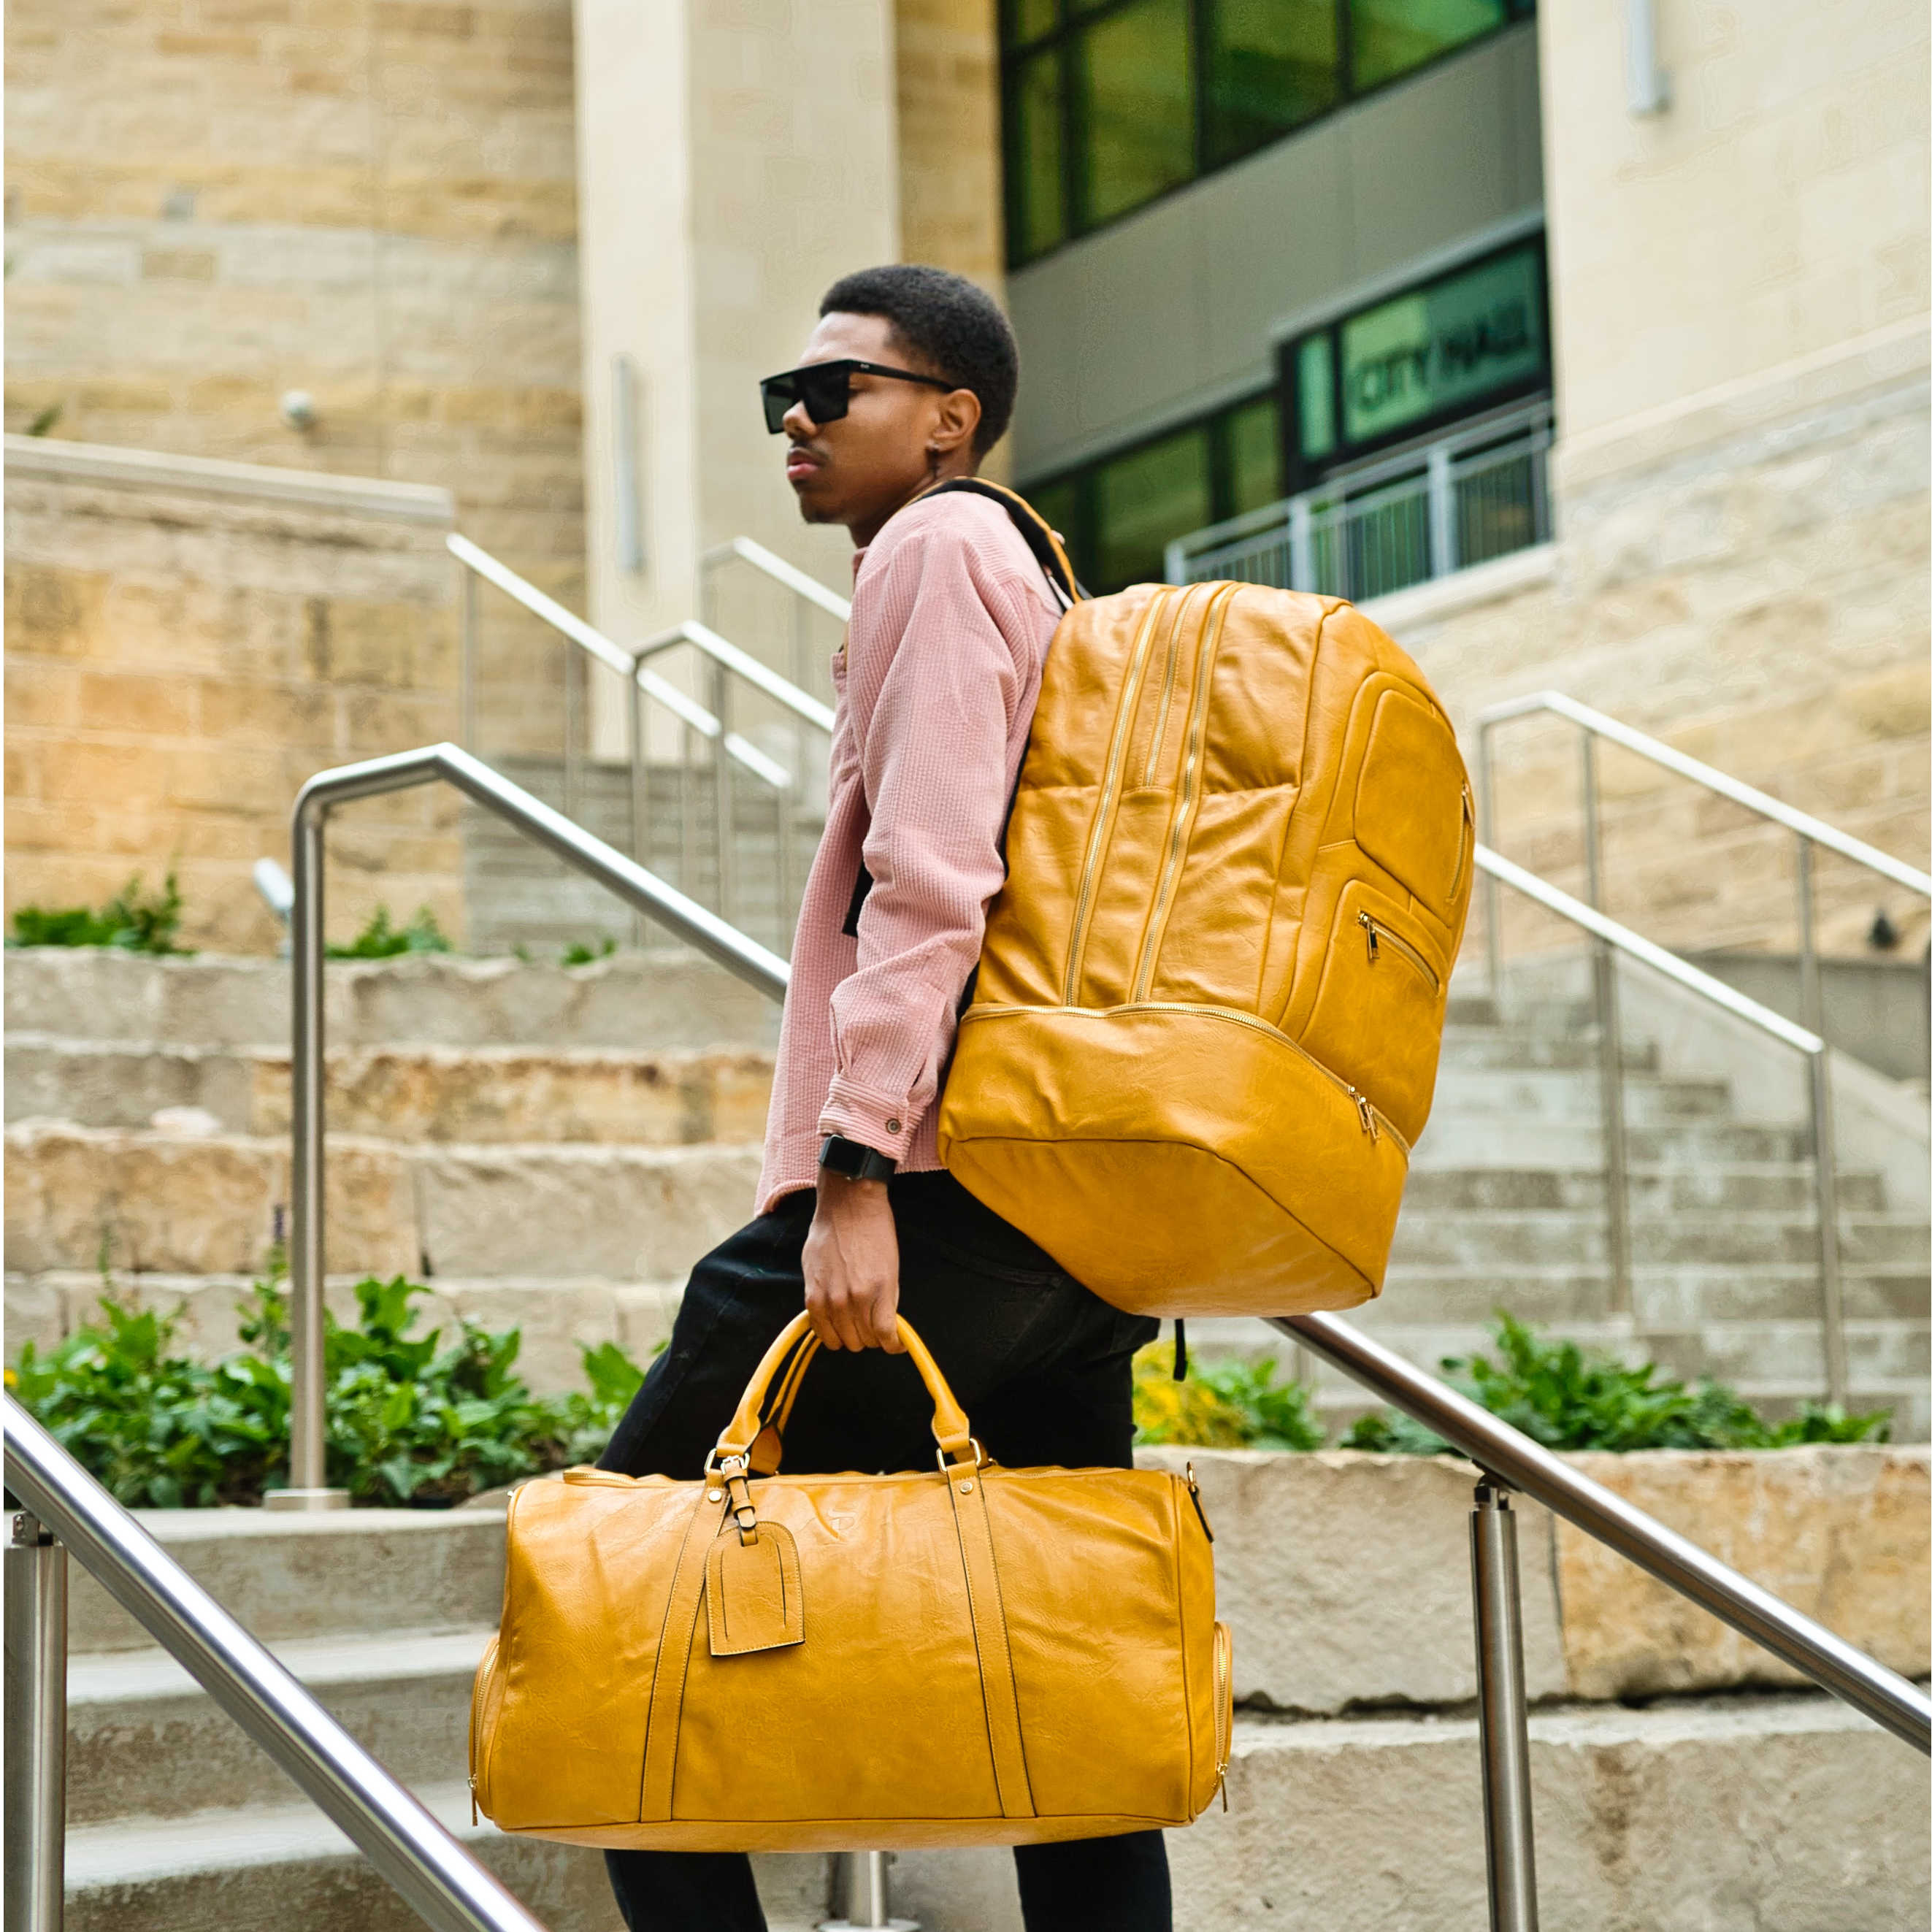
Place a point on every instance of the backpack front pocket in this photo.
(1378, 1014)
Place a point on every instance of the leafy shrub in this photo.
(1568, 1397)
(380, 939)
(1227, 1406)
(587, 953)
(408, 1419)
(129, 921)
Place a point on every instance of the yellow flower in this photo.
(1190, 1414)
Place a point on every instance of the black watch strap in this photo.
(855, 1160)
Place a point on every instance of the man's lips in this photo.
(800, 463)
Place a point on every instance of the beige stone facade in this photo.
(1739, 311)
(1747, 578)
(212, 203)
(187, 641)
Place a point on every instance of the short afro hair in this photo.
(952, 325)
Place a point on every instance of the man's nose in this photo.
(797, 423)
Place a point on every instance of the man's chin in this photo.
(813, 504)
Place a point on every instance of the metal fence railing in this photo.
(1476, 495)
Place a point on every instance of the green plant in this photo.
(129, 921)
(1568, 1397)
(47, 420)
(1226, 1405)
(410, 1419)
(380, 939)
(587, 953)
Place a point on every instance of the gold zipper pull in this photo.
(1367, 1114)
(476, 1816)
(1366, 922)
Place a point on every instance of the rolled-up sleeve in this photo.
(933, 677)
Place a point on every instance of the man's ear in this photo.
(957, 421)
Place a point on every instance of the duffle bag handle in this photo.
(950, 1429)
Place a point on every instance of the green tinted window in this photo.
(1036, 203)
(1387, 37)
(1271, 64)
(1254, 456)
(1137, 106)
(1022, 22)
(1314, 395)
(1059, 503)
(1142, 502)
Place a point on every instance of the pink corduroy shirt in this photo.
(937, 680)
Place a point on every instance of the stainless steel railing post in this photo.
(1609, 1049)
(36, 1723)
(1485, 796)
(865, 1897)
(637, 740)
(1503, 1709)
(724, 829)
(1824, 1139)
(308, 1476)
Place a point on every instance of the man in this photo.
(906, 381)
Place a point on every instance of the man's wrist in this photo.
(852, 1160)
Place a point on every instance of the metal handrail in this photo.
(1602, 725)
(1516, 1460)
(1809, 833)
(441, 1881)
(694, 924)
(801, 583)
(729, 748)
(1610, 937)
(1508, 1458)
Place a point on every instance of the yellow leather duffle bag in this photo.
(969, 1655)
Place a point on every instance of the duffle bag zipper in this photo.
(1380, 935)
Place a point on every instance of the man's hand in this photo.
(852, 1266)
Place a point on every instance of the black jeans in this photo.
(1043, 1369)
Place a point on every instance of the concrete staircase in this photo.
(1354, 1795)
(555, 1147)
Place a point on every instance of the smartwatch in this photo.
(852, 1160)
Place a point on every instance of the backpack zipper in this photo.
(1166, 688)
(1076, 943)
(1465, 845)
(1197, 731)
(1375, 1122)
(1224, 1729)
(1380, 935)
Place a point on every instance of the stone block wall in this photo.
(1744, 575)
(187, 641)
(211, 202)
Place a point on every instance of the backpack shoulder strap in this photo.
(1031, 525)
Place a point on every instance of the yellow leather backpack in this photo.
(1204, 1034)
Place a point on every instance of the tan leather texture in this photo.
(962, 1655)
(1205, 1034)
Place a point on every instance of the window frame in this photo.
(1298, 472)
(1071, 20)
(1083, 534)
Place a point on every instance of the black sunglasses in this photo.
(825, 389)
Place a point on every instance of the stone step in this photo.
(473, 1093)
(1787, 1187)
(333, 1576)
(1457, 1140)
(658, 999)
(141, 1200)
(1663, 1296)
(558, 1317)
(144, 1741)
(1492, 1047)
(1558, 1093)
(1767, 1813)
(1430, 1237)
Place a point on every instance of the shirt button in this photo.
(892, 1126)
